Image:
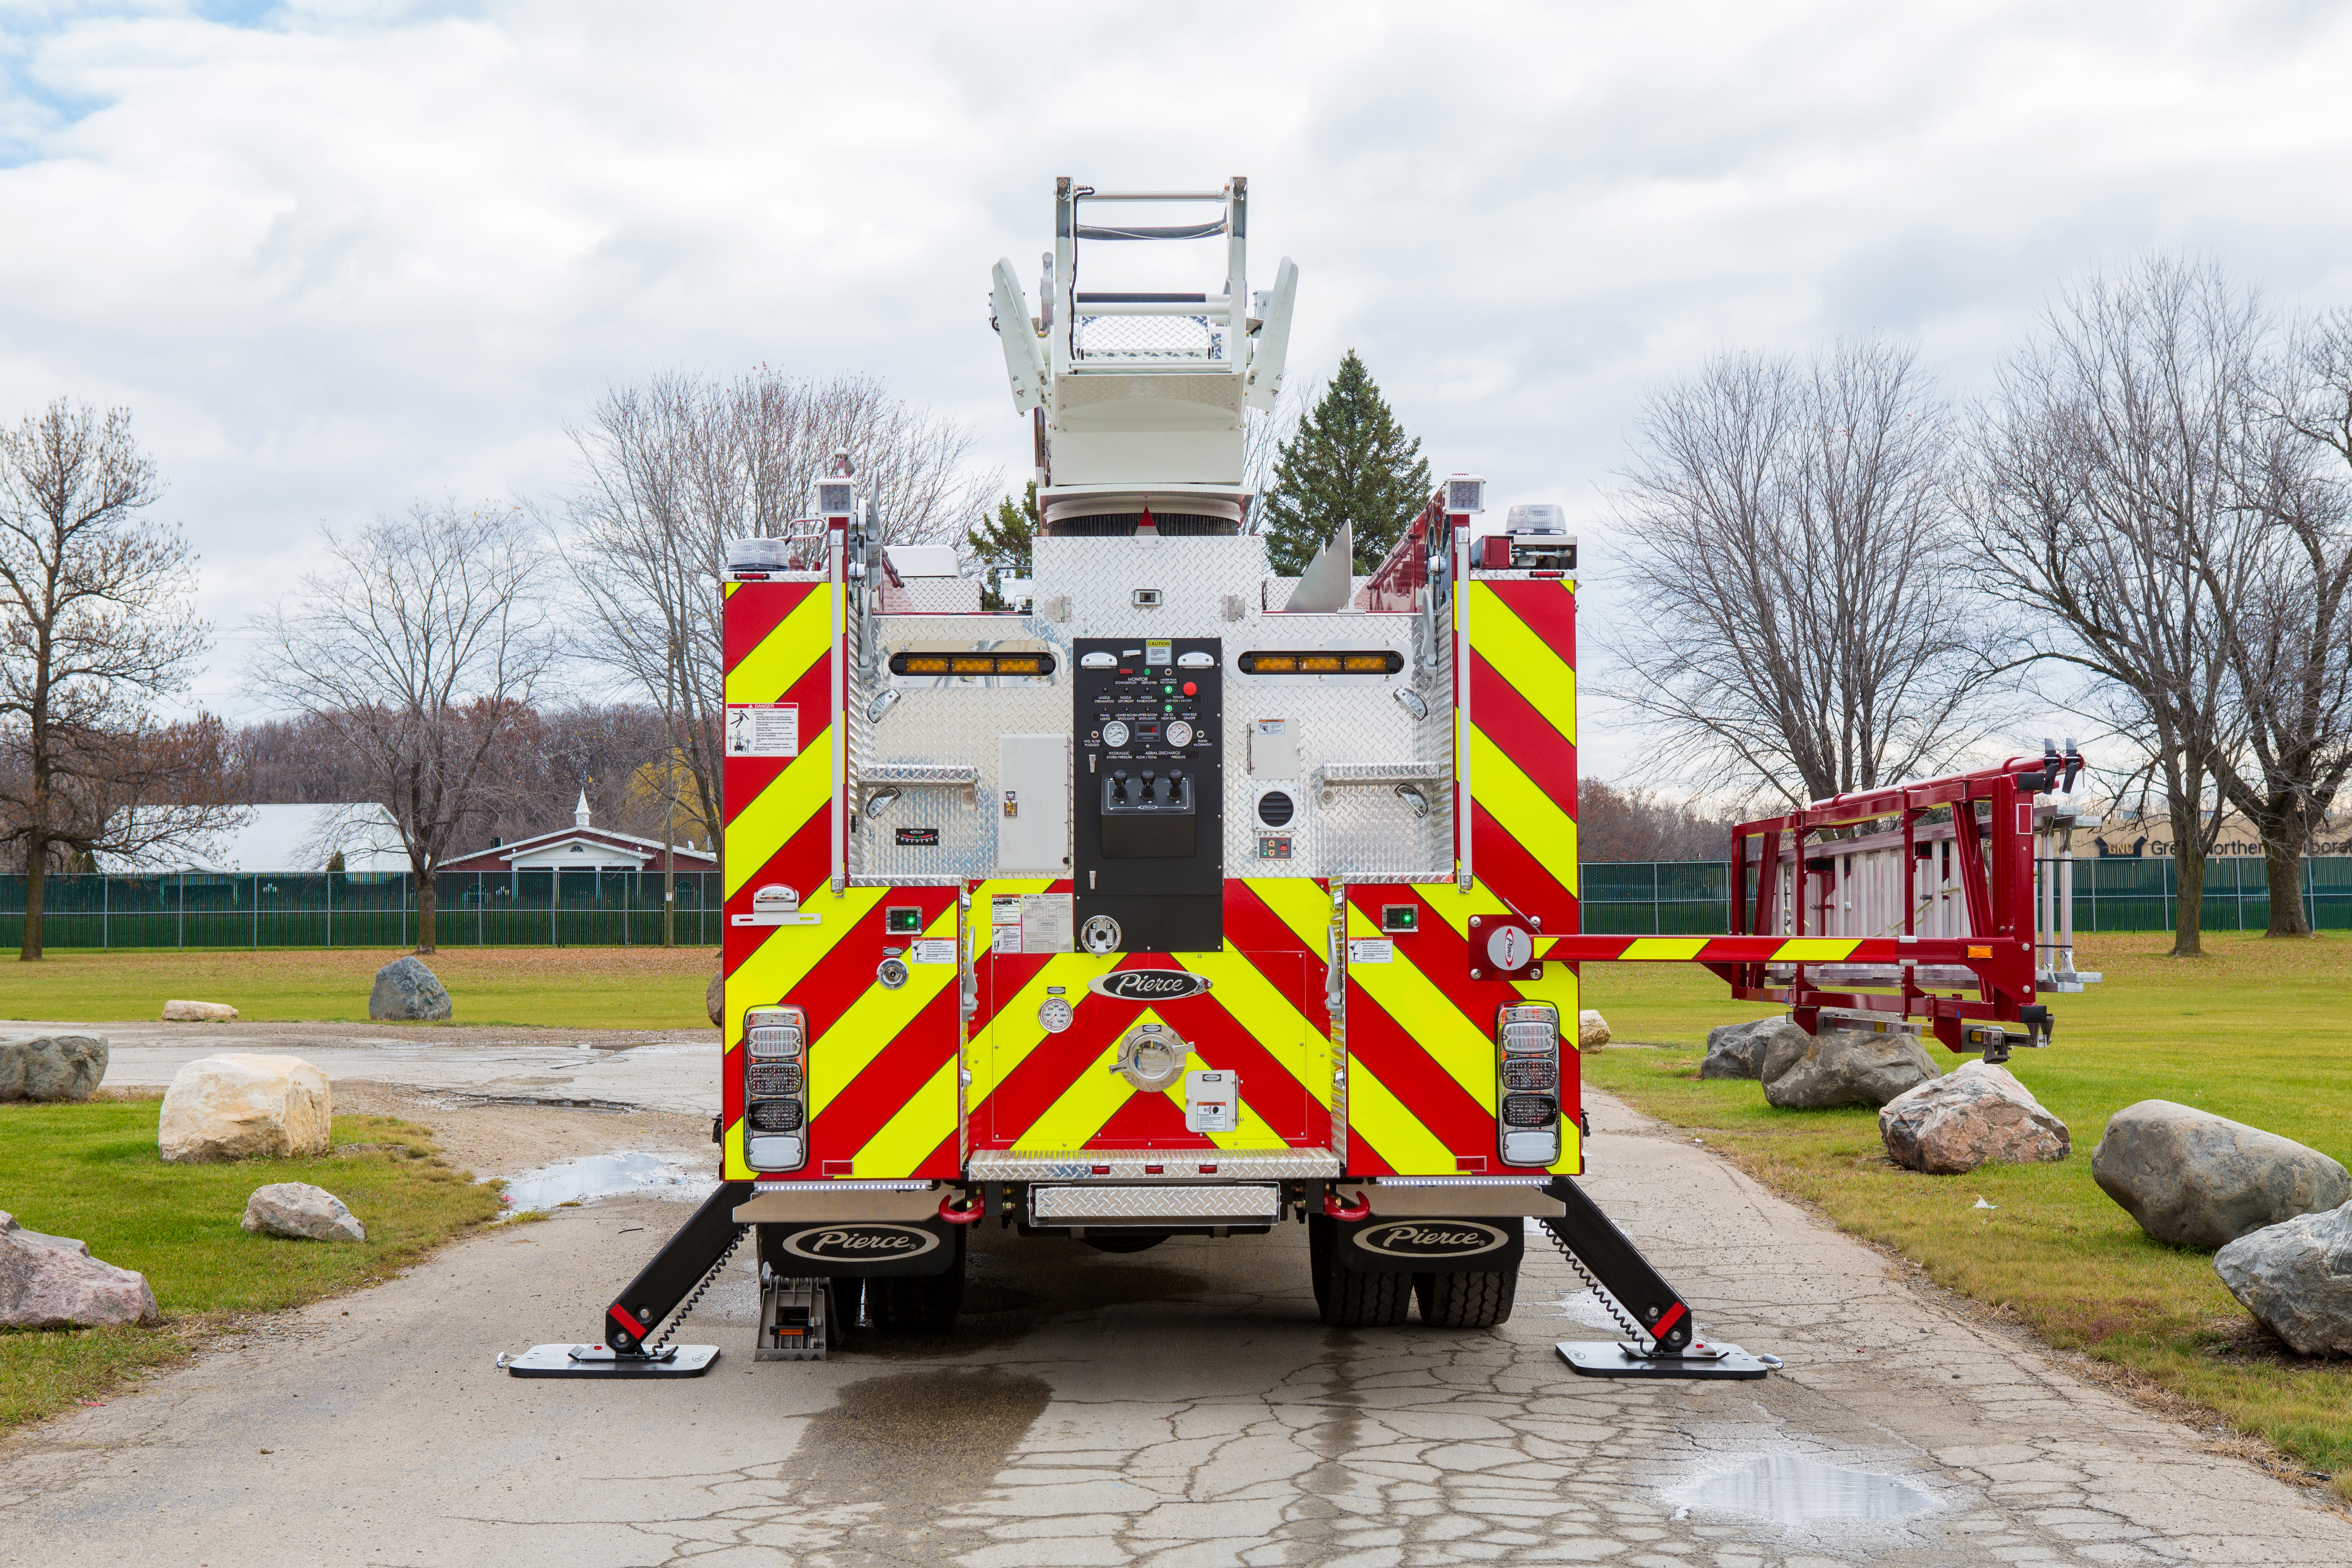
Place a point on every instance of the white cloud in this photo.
(339, 257)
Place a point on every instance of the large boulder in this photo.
(178, 1011)
(1736, 1050)
(2296, 1278)
(714, 999)
(301, 1211)
(1841, 1067)
(1591, 1031)
(53, 1282)
(2195, 1179)
(235, 1108)
(406, 991)
(52, 1067)
(1979, 1114)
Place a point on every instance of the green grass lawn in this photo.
(570, 988)
(92, 1171)
(2257, 1031)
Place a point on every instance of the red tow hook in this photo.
(1338, 1210)
(972, 1215)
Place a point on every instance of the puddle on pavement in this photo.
(1786, 1490)
(607, 1175)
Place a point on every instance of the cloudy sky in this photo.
(342, 256)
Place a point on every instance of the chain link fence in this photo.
(2112, 893)
(478, 909)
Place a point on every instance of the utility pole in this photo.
(669, 857)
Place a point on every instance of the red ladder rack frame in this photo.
(1995, 867)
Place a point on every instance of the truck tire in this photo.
(1466, 1300)
(922, 1306)
(1349, 1300)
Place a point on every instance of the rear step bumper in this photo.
(1155, 1206)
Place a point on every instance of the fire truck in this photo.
(1177, 898)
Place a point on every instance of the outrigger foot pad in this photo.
(600, 1361)
(1622, 1358)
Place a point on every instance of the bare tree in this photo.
(1264, 433)
(1617, 823)
(673, 468)
(95, 625)
(2106, 495)
(415, 651)
(2289, 634)
(1799, 618)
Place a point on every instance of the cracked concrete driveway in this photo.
(1177, 1407)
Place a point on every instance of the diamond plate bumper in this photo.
(1106, 1206)
(1153, 1165)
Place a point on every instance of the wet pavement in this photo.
(1177, 1407)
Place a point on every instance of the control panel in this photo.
(1149, 844)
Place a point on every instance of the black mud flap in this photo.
(1431, 1246)
(861, 1250)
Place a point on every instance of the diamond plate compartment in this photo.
(1233, 1205)
(1127, 1165)
(942, 729)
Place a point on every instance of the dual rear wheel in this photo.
(1351, 1299)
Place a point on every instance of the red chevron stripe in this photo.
(748, 777)
(852, 1118)
(1144, 1122)
(803, 864)
(1521, 732)
(1518, 876)
(1436, 1102)
(1030, 1090)
(845, 972)
(1253, 928)
(1363, 1160)
(755, 609)
(1548, 610)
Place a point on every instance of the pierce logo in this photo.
(1149, 984)
(859, 1243)
(1431, 1239)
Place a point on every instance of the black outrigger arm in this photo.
(1664, 1342)
(678, 1273)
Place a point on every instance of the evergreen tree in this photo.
(1351, 462)
(1001, 543)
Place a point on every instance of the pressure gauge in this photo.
(1115, 734)
(1180, 735)
(1055, 1016)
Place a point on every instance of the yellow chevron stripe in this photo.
(1259, 1006)
(1663, 950)
(732, 1165)
(1093, 1098)
(1814, 950)
(779, 811)
(1455, 906)
(1302, 906)
(1014, 1031)
(918, 1127)
(785, 654)
(1523, 808)
(1523, 658)
(1463, 1048)
(836, 1057)
(769, 971)
(1411, 1148)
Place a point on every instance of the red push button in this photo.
(1190, 689)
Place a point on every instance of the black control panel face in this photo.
(1150, 825)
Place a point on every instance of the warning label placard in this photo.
(763, 729)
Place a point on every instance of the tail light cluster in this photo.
(1527, 1061)
(775, 1089)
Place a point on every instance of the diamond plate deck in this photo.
(1222, 1204)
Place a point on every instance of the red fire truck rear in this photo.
(1182, 898)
